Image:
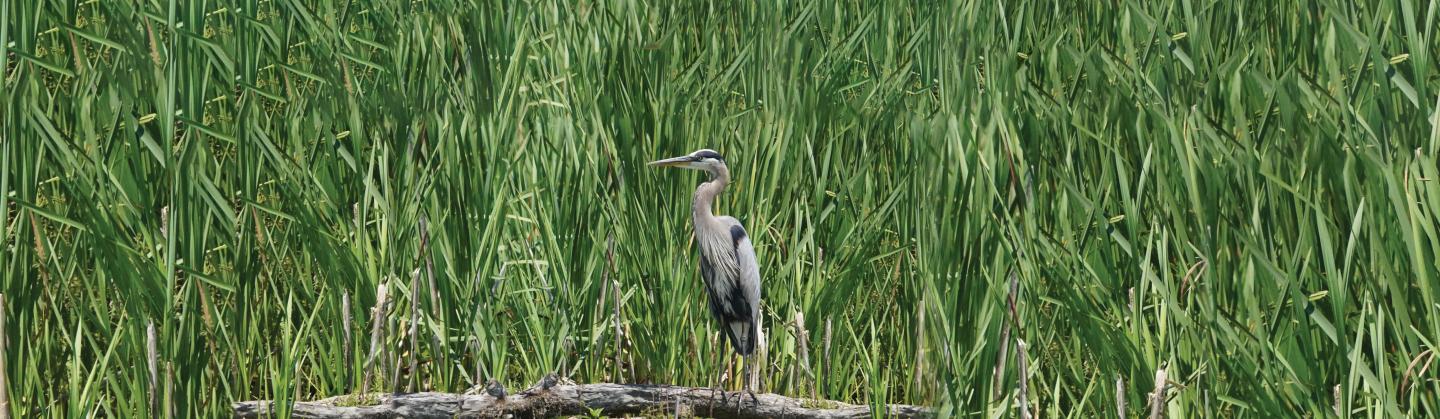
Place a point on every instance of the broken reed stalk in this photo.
(629, 355)
(825, 369)
(4, 383)
(377, 333)
(1157, 398)
(802, 339)
(345, 340)
(1024, 390)
(919, 346)
(412, 334)
(1338, 406)
(1120, 396)
(152, 361)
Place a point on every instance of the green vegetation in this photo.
(1242, 193)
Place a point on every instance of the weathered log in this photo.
(576, 399)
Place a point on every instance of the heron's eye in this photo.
(707, 155)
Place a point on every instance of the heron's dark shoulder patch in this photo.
(737, 233)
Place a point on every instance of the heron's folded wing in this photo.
(749, 281)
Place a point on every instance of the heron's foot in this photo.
(724, 396)
(719, 396)
(753, 399)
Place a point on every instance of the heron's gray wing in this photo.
(707, 271)
(749, 269)
(747, 288)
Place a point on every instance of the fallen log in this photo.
(551, 399)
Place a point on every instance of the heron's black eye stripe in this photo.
(707, 154)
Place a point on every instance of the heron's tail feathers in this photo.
(743, 335)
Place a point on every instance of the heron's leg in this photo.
(750, 376)
(724, 372)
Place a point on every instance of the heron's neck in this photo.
(706, 193)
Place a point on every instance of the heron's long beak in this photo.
(672, 162)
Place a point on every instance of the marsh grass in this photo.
(1242, 194)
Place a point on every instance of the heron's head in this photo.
(703, 159)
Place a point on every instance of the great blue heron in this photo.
(727, 260)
